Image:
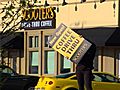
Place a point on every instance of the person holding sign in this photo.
(84, 69)
(77, 49)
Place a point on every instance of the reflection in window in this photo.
(49, 62)
(31, 43)
(65, 65)
(97, 78)
(33, 63)
(110, 78)
(6, 70)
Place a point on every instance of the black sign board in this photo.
(38, 18)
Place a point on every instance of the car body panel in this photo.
(10, 80)
(19, 82)
(106, 86)
(98, 83)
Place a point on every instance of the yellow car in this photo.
(68, 81)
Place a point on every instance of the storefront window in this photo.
(46, 41)
(49, 67)
(31, 44)
(65, 65)
(33, 63)
(33, 41)
(36, 41)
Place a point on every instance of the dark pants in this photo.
(84, 77)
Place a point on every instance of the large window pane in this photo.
(49, 62)
(46, 41)
(36, 41)
(31, 43)
(65, 65)
(33, 64)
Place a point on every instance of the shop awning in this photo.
(102, 36)
(12, 41)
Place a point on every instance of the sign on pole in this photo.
(68, 43)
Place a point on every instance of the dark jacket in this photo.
(87, 59)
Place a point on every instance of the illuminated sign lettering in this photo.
(38, 18)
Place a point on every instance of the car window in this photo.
(110, 78)
(7, 71)
(97, 78)
(105, 77)
(67, 75)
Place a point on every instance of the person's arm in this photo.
(74, 61)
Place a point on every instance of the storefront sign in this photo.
(68, 43)
(38, 18)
